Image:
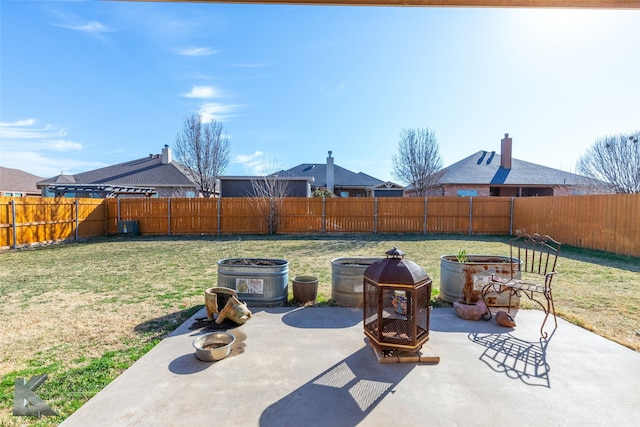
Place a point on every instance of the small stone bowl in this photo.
(213, 346)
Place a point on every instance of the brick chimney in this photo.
(505, 153)
(166, 155)
(330, 173)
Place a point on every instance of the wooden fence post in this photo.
(470, 216)
(511, 217)
(77, 223)
(425, 216)
(169, 215)
(324, 216)
(219, 213)
(13, 223)
(105, 203)
(375, 215)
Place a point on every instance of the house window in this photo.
(467, 193)
(344, 194)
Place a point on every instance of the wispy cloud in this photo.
(202, 92)
(196, 51)
(332, 91)
(256, 164)
(65, 145)
(93, 28)
(24, 129)
(25, 122)
(211, 111)
(252, 164)
(89, 27)
(32, 147)
(44, 165)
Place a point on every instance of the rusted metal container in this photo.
(305, 289)
(463, 281)
(396, 306)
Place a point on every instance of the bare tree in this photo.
(418, 160)
(614, 159)
(268, 196)
(204, 149)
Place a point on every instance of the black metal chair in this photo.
(531, 276)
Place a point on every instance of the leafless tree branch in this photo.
(204, 150)
(418, 160)
(268, 196)
(614, 159)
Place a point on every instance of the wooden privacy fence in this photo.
(605, 222)
(314, 215)
(29, 220)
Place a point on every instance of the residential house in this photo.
(487, 173)
(386, 189)
(157, 175)
(343, 182)
(17, 183)
(246, 186)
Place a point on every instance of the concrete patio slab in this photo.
(312, 366)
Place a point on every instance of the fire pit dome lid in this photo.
(396, 270)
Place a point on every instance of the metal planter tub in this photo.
(258, 281)
(463, 281)
(347, 277)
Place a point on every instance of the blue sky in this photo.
(89, 84)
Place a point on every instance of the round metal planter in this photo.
(347, 276)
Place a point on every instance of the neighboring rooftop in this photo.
(342, 177)
(484, 167)
(155, 171)
(14, 181)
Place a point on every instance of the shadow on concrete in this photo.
(188, 364)
(446, 320)
(318, 317)
(516, 358)
(342, 395)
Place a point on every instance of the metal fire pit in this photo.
(397, 293)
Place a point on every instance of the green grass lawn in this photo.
(83, 312)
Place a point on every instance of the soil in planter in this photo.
(248, 261)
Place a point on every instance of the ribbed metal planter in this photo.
(347, 276)
(461, 279)
(258, 281)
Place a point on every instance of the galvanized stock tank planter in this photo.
(258, 281)
(463, 281)
(347, 276)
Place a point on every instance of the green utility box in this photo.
(129, 228)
